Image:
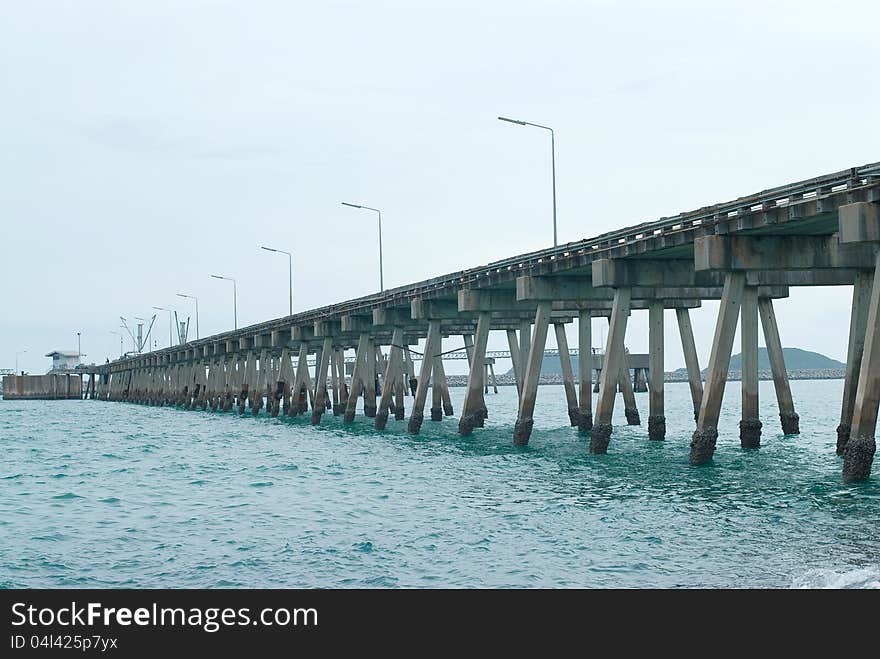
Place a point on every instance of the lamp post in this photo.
(170, 340)
(376, 210)
(234, 302)
(193, 297)
(552, 157)
(78, 348)
(289, 270)
(120, 341)
(20, 352)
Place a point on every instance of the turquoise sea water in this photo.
(98, 494)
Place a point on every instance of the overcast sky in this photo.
(147, 145)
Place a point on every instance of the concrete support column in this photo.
(357, 377)
(689, 350)
(574, 415)
(491, 365)
(630, 409)
(392, 374)
(411, 381)
(787, 416)
(525, 338)
(585, 371)
(320, 403)
(858, 455)
(441, 383)
(431, 347)
(436, 386)
(750, 425)
(400, 384)
(858, 324)
(334, 381)
(260, 377)
(656, 413)
(614, 360)
(706, 434)
(472, 408)
(370, 380)
(513, 345)
(299, 401)
(525, 421)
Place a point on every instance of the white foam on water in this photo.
(865, 577)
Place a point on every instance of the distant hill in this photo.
(795, 360)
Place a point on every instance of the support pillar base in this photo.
(843, 431)
(632, 416)
(574, 416)
(436, 414)
(338, 409)
(857, 458)
(466, 424)
(791, 424)
(447, 410)
(316, 416)
(522, 431)
(703, 445)
(600, 436)
(381, 420)
(415, 423)
(750, 433)
(657, 427)
(348, 417)
(585, 423)
(370, 411)
(399, 413)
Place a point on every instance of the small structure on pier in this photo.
(64, 361)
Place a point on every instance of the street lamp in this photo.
(170, 340)
(193, 297)
(290, 270)
(21, 352)
(376, 210)
(78, 348)
(553, 160)
(120, 341)
(234, 302)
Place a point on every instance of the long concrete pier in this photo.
(747, 253)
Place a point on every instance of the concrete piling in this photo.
(656, 413)
(523, 429)
(600, 434)
(472, 408)
(788, 417)
(750, 425)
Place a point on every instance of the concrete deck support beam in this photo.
(523, 429)
(858, 455)
(574, 414)
(858, 324)
(585, 371)
(431, 347)
(474, 403)
(787, 416)
(392, 374)
(706, 434)
(691, 362)
(750, 424)
(614, 361)
(357, 377)
(656, 413)
(320, 403)
(513, 345)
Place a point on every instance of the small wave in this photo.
(363, 546)
(263, 484)
(109, 500)
(13, 477)
(59, 475)
(859, 578)
(68, 495)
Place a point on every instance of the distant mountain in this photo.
(795, 360)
